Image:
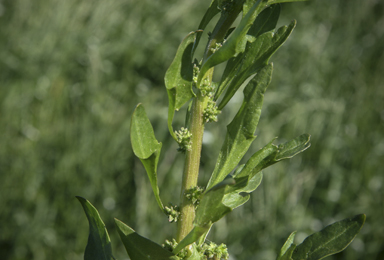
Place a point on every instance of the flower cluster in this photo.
(211, 112)
(173, 213)
(210, 250)
(217, 46)
(184, 140)
(194, 195)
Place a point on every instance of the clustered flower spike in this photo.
(196, 71)
(173, 213)
(217, 46)
(194, 195)
(184, 140)
(206, 89)
(211, 112)
(210, 250)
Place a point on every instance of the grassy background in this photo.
(72, 72)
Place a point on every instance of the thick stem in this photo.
(191, 168)
(192, 159)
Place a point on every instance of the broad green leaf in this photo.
(99, 243)
(240, 192)
(211, 12)
(211, 208)
(141, 248)
(293, 147)
(257, 158)
(178, 78)
(271, 154)
(331, 240)
(224, 197)
(288, 248)
(265, 21)
(240, 132)
(146, 147)
(256, 57)
(236, 42)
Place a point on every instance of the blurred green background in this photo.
(71, 73)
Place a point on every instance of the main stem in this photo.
(192, 160)
(191, 167)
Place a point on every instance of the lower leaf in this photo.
(99, 244)
(141, 248)
(331, 240)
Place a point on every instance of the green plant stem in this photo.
(191, 167)
(192, 159)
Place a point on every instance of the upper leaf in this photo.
(271, 154)
(178, 78)
(256, 56)
(212, 11)
(240, 132)
(141, 248)
(265, 21)
(146, 147)
(332, 239)
(99, 243)
(236, 42)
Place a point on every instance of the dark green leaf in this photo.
(293, 147)
(141, 248)
(146, 147)
(178, 78)
(240, 132)
(236, 42)
(211, 12)
(288, 248)
(257, 158)
(224, 197)
(264, 22)
(332, 239)
(271, 154)
(256, 57)
(99, 244)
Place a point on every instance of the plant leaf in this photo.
(256, 57)
(146, 147)
(257, 158)
(265, 21)
(141, 248)
(332, 239)
(178, 78)
(224, 197)
(293, 147)
(209, 14)
(240, 132)
(288, 248)
(271, 154)
(236, 42)
(99, 244)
